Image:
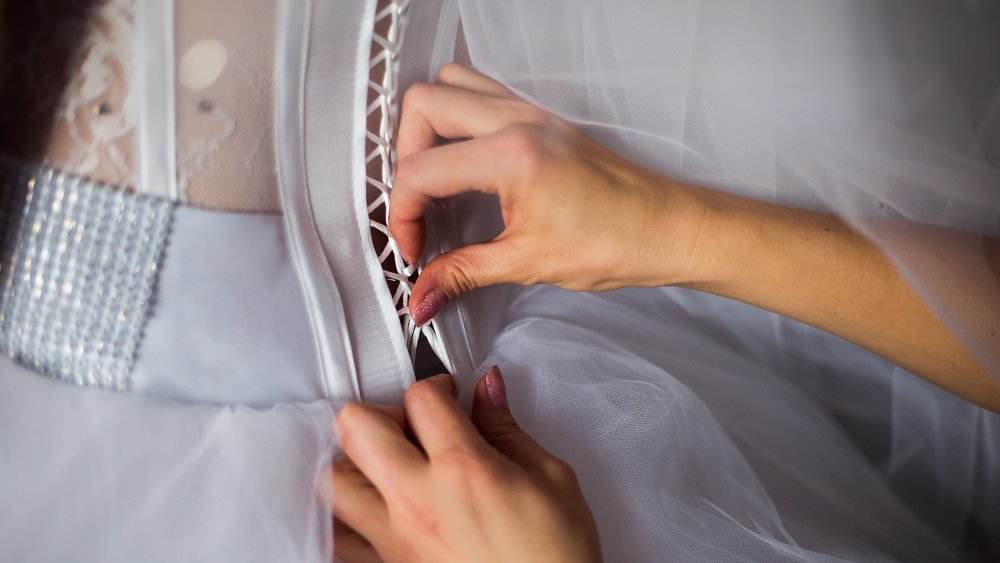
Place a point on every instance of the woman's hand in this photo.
(574, 212)
(428, 484)
(578, 216)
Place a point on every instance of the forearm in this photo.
(578, 216)
(812, 267)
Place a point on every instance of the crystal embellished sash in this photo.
(78, 265)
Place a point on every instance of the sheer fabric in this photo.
(96, 475)
(884, 113)
(214, 451)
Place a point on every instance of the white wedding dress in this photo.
(174, 355)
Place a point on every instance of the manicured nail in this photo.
(495, 388)
(426, 309)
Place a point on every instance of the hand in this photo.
(576, 215)
(455, 489)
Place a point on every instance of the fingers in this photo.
(355, 501)
(350, 547)
(436, 110)
(453, 74)
(492, 416)
(464, 104)
(377, 446)
(395, 414)
(438, 173)
(458, 271)
(436, 419)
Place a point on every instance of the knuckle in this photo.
(525, 144)
(559, 471)
(394, 224)
(418, 394)
(407, 172)
(463, 465)
(349, 414)
(416, 96)
(523, 137)
(406, 506)
(530, 113)
(449, 72)
(462, 271)
(347, 418)
(505, 430)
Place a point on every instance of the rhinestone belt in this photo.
(78, 266)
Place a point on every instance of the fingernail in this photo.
(431, 304)
(495, 388)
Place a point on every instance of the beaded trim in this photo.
(78, 264)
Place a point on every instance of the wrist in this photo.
(682, 225)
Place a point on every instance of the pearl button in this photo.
(202, 64)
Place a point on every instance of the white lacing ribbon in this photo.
(386, 102)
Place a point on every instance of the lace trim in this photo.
(390, 23)
(65, 76)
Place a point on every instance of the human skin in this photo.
(426, 483)
(602, 222)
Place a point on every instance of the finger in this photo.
(378, 447)
(479, 164)
(351, 547)
(436, 110)
(491, 415)
(459, 76)
(436, 419)
(396, 414)
(353, 498)
(458, 271)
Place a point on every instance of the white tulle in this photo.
(95, 475)
(706, 430)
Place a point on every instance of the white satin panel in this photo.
(229, 324)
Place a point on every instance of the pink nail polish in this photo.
(495, 388)
(426, 309)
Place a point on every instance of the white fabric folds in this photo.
(95, 475)
(708, 431)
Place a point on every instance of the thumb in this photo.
(456, 272)
(492, 416)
